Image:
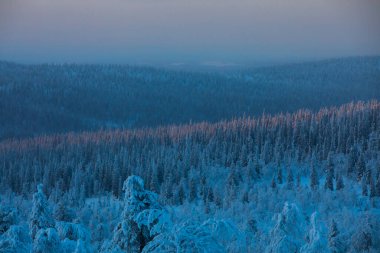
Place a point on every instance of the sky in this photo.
(176, 32)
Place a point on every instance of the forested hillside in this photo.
(49, 99)
(301, 182)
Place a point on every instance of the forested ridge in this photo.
(115, 159)
(301, 182)
(49, 99)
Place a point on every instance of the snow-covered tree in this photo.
(227, 234)
(287, 234)
(290, 180)
(63, 212)
(279, 175)
(41, 215)
(298, 181)
(316, 237)
(372, 188)
(360, 167)
(70, 234)
(364, 187)
(141, 218)
(189, 236)
(80, 247)
(273, 183)
(47, 241)
(351, 161)
(362, 239)
(339, 182)
(8, 217)
(329, 183)
(15, 240)
(313, 178)
(334, 242)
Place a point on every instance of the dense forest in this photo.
(307, 181)
(49, 99)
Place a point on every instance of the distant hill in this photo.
(46, 99)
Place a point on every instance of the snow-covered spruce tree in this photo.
(377, 186)
(189, 236)
(289, 180)
(286, 236)
(316, 237)
(330, 173)
(15, 240)
(41, 216)
(334, 243)
(62, 211)
(80, 247)
(273, 183)
(254, 168)
(364, 187)
(193, 191)
(313, 178)
(330, 164)
(47, 241)
(329, 183)
(339, 182)
(8, 217)
(298, 181)
(351, 161)
(232, 185)
(372, 188)
(360, 167)
(142, 219)
(180, 194)
(361, 240)
(42, 225)
(279, 175)
(226, 234)
(70, 234)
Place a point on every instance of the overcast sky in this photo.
(187, 31)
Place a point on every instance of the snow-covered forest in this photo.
(49, 99)
(301, 182)
(218, 126)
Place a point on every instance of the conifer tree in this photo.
(372, 188)
(368, 176)
(132, 233)
(333, 241)
(193, 193)
(377, 186)
(290, 180)
(313, 178)
(360, 167)
(15, 240)
(245, 197)
(339, 182)
(298, 181)
(258, 167)
(41, 216)
(352, 159)
(329, 183)
(316, 236)
(364, 187)
(63, 212)
(8, 217)
(279, 175)
(330, 163)
(273, 183)
(180, 194)
(232, 184)
(46, 240)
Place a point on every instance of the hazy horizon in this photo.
(168, 32)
